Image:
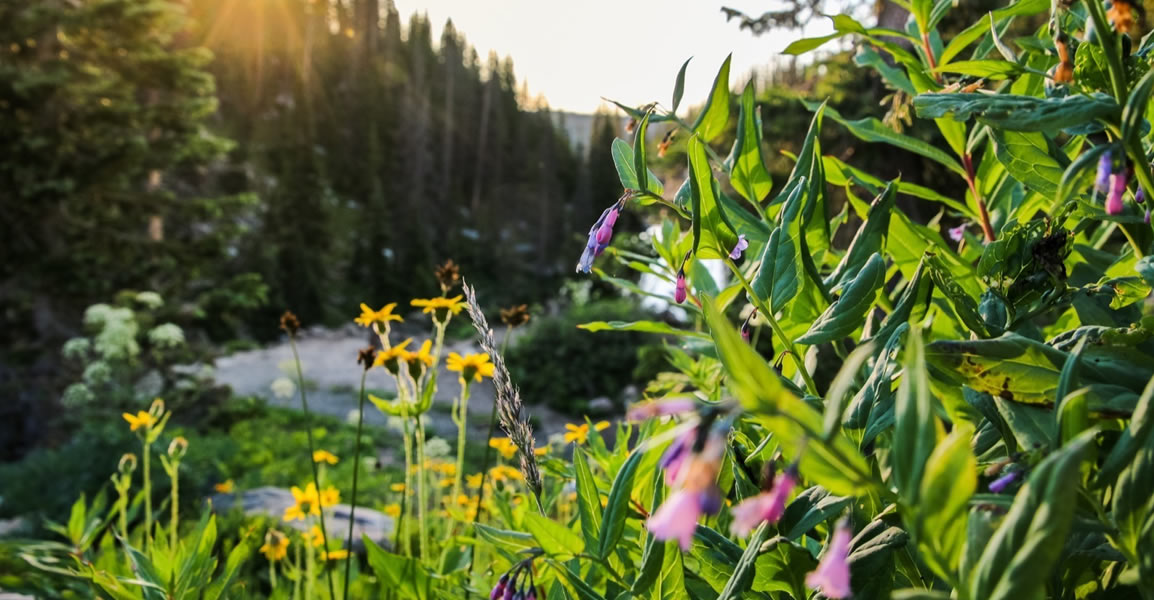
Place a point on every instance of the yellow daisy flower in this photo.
(473, 481)
(325, 456)
(335, 554)
(140, 419)
(397, 487)
(504, 446)
(315, 536)
(393, 510)
(330, 496)
(305, 502)
(389, 358)
(440, 307)
(383, 316)
(275, 545)
(422, 356)
(580, 433)
(470, 366)
(225, 487)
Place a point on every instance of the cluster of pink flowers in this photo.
(600, 234)
(516, 584)
(1112, 180)
(691, 464)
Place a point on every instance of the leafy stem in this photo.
(1110, 48)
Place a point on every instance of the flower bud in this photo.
(1117, 189)
(1105, 165)
(605, 232)
(127, 464)
(740, 247)
(680, 293)
(157, 408)
(178, 447)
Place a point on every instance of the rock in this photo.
(272, 501)
(15, 526)
(630, 395)
(600, 406)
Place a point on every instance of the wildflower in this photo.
(1120, 13)
(275, 545)
(393, 510)
(957, 233)
(504, 473)
(660, 408)
(305, 502)
(1000, 484)
(448, 275)
(178, 447)
(140, 419)
(742, 244)
(474, 480)
(290, 323)
(499, 589)
(1140, 195)
(747, 325)
(225, 487)
(420, 360)
(600, 234)
(515, 316)
(580, 433)
(1146, 219)
(440, 307)
(334, 554)
(166, 335)
(397, 487)
(542, 451)
(325, 456)
(504, 446)
(470, 366)
(315, 536)
(680, 292)
(1105, 166)
(695, 471)
(369, 317)
(831, 577)
(665, 143)
(766, 506)
(1117, 189)
(283, 387)
(330, 496)
(674, 457)
(389, 358)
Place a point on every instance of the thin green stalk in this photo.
(777, 330)
(1110, 48)
(460, 417)
(147, 494)
(123, 510)
(175, 503)
(404, 520)
(422, 527)
(312, 447)
(272, 574)
(356, 472)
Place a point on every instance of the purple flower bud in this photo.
(1117, 188)
(1105, 165)
(1147, 218)
(531, 594)
(509, 591)
(742, 244)
(957, 233)
(680, 293)
(745, 335)
(605, 232)
(1000, 484)
(1140, 195)
(499, 589)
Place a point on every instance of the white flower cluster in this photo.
(77, 395)
(150, 300)
(436, 448)
(166, 335)
(76, 349)
(98, 372)
(283, 387)
(117, 337)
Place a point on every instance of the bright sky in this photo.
(575, 52)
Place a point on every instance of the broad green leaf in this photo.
(950, 478)
(1019, 556)
(840, 173)
(742, 577)
(895, 76)
(627, 169)
(868, 240)
(1079, 174)
(237, 556)
(617, 507)
(809, 44)
(679, 86)
(747, 172)
(781, 274)
(1132, 504)
(1133, 115)
(986, 69)
(513, 541)
(1018, 113)
(782, 569)
(577, 583)
(980, 27)
(554, 538)
(911, 306)
(1027, 157)
(639, 165)
(848, 312)
(873, 130)
(713, 118)
(713, 235)
(810, 508)
(915, 428)
(588, 499)
(1140, 427)
(642, 326)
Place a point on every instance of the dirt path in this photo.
(332, 376)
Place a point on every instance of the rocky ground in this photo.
(332, 378)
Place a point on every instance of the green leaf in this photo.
(513, 541)
(872, 130)
(402, 574)
(949, 480)
(1140, 428)
(781, 275)
(574, 579)
(617, 508)
(554, 538)
(747, 172)
(848, 312)
(1018, 113)
(237, 557)
(713, 118)
(979, 28)
(639, 151)
(868, 240)
(896, 77)
(813, 506)
(588, 499)
(742, 577)
(911, 306)
(986, 69)
(1027, 157)
(679, 85)
(642, 326)
(1079, 174)
(809, 44)
(623, 159)
(1019, 556)
(713, 235)
(1133, 115)
(915, 431)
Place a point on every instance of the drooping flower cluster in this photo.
(600, 234)
(517, 583)
(769, 505)
(691, 463)
(831, 577)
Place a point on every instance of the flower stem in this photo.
(777, 330)
(312, 447)
(422, 532)
(460, 417)
(147, 493)
(356, 472)
(175, 504)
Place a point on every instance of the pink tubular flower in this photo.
(766, 506)
(957, 233)
(680, 292)
(675, 456)
(676, 518)
(1117, 189)
(605, 232)
(660, 408)
(831, 577)
(742, 244)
